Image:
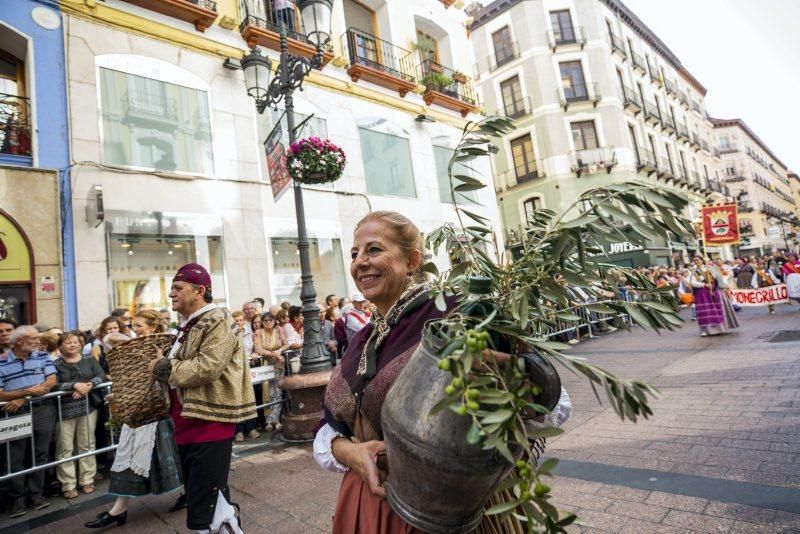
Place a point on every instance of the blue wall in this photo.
(48, 90)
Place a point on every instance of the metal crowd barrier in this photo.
(19, 426)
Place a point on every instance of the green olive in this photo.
(541, 489)
(444, 364)
(449, 390)
(474, 406)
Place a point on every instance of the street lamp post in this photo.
(291, 72)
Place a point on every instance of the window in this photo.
(652, 141)
(524, 159)
(572, 81)
(513, 103)
(442, 156)
(427, 48)
(327, 268)
(531, 205)
(503, 47)
(632, 133)
(584, 135)
(668, 152)
(15, 131)
(563, 32)
(154, 124)
(387, 164)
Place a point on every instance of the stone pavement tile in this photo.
(293, 526)
(638, 510)
(602, 521)
(583, 500)
(699, 522)
(699, 470)
(775, 479)
(678, 502)
(637, 526)
(783, 447)
(623, 493)
(787, 520)
(740, 512)
(566, 484)
(742, 527)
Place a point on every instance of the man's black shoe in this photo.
(180, 504)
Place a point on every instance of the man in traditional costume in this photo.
(210, 391)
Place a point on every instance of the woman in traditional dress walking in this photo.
(791, 276)
(714, 313)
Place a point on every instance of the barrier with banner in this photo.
(19, 426)
(262, 374)
(776, 294)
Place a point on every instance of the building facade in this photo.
(762, 186)
(36, 264)
(162, 124)
(598, 98)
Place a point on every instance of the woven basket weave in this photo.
(138, 399)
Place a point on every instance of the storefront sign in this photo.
(276, 163)
(160, 223)
(262, 374)
(15, 258)
(11, 428)
(619, 248)
(776, 294)
(721, 225)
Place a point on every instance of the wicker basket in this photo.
(138, 399)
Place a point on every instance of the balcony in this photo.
(683, 99)
(148, 110)
(695, 105)
(728, 149)
(502, 55)
(15, 126)
(617, 45)
(592, 160)
(682, 131)
(694, 142)
(261, 25)
(508, 179)
(657, 78)
(447, 88)
(665, 169)
(566, 37)
(651, 113)
(201, 13)
(694, 179)
(746, 206)
(515, 109)
(630, 100)
(638, 63)
(704, 146)
(380, 62)
(645, 161)
(671, 88)
(667, 124)
(577, 93)
(680, 174)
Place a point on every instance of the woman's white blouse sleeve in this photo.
(323, 453)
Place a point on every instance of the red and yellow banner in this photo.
(721, 224)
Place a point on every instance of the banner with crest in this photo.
(721, 224)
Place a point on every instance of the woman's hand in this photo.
(82, 387)
(361, 457)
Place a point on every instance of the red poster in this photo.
(721, 224)
(276, 163)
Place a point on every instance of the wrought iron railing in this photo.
(671, 87)
(141, 103)
(682, 130)
(15, 125)
(728, 149)
(515, 108)
(666, 120)
(600, 156)
(665, 167)
(680, 172)
(631, 99)
(638, 61)
(437, 77)
(367, 50)
(617, 44)
(694, 177)
(684, 100)
(578, 92)
(208, 4)
(566, 36)
(262, 14)
(651, 111)
(695, 105)
(502, 55)
(645, 159)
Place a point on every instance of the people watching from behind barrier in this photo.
(79, 376)
(6, 327)
(27, 371)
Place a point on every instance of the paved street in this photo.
(721, 453)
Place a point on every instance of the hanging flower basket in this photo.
(315, 161)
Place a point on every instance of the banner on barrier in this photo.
(262, 374)
(19, 426)
(760, 297)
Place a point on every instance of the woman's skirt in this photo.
(793, 285)
(165, 470)
(358, 511)
(731, 321)
(710, 311)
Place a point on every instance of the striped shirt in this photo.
(20, 374)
